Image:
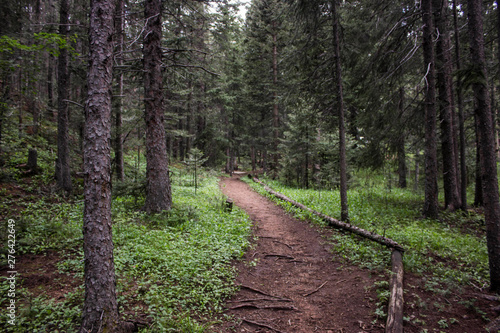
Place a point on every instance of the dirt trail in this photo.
(289, 281)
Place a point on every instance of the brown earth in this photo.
(291, 282)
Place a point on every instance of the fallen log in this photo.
(336, 223)
(395, 309)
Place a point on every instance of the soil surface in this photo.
(289, 282)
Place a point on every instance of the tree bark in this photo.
(445, 98)
(478, 188)
(158, 191)
(431, 209)
(275, 100)
(396, 301)
(118, 99)
(402, 169)
(100, 309)
(63, 175)
(486, 142)
(344, 216)
(461, 120)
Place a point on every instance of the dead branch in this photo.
(315, 290)
(194, 66)
(494, 326)
(489, 297)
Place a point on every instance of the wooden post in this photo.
(396, 301)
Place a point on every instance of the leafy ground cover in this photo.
(173, 269)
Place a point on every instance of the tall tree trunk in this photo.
(402, 169)
(118, 101)
(275, 100)
(431, 209)
(344, 213)
(63, 175)
(158, 192)
(498, 73)
(463, 165)
(100, 309)
(478, 188)
(444, 85)
(486, 142)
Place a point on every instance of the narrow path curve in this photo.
(289, 281)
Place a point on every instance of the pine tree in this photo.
(100, 309)
(63, 175)
(486, 141)
(431, 209)
(158, 191)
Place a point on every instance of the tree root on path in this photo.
(261, 299)
(264, 307)
(264, 293)
(315, 290)
(261, 325)
(279, 256)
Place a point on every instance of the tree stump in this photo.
(33, 160)
(229, 205)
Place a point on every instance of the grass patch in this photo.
(439, 248)
(172, 267)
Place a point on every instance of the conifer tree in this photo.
(431, 209)
(158, 191)
(489, 176)
(100, 309)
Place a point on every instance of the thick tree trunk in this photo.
(431, 209)
(63, 175)
(461, 120)
(158, 192)
(344, 216)
(444, 85)
(118, 101)
(486, 142)
(100, 310)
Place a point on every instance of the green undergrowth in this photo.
(175, 267)
(443, 250)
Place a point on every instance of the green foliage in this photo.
(180, 259)
(49, 42)
(45, 226)
(194, 162)
(39, 314)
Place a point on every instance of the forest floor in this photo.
(292, 282)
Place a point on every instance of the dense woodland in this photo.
(114, 98)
